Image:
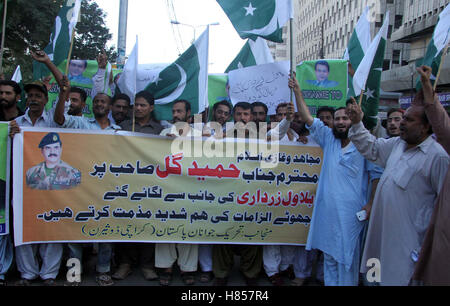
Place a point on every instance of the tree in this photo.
(92, 33)
(29, 25)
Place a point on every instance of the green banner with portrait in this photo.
(81, 73)
(323, 83)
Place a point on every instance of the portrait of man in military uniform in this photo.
(53, 173)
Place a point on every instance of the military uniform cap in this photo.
(50, 139)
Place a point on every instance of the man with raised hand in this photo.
(415, 168)
(342, 192)
(101, 107)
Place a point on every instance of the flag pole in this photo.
(70, 51)
(291, 40)
(3, 35)
(361, 98)
(440, 67)
(134, 116)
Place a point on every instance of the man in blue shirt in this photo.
(342, 192)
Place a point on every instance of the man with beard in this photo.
(119, 109)
(181, 114)
(101, 108)
(77, 98)
(342, 192)
(10, 93)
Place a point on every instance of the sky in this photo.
(150, 21)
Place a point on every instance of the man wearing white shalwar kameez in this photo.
(415, 168)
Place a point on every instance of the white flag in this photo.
(362, 73)
(128, 79)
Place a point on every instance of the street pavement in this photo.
(236, 279)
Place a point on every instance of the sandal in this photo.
(206, 277)
(104, 279)
(165, 278)
(188, 278)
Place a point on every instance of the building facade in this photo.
(322, 29)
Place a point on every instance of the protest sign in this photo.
(266, 83)
(323, 83)
(81, 73)
(154, 189)
(4, 178)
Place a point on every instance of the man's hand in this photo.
(368, 209)
(290, 112)
(40, 56)
(303, 139)
(354, 112)
(425, 73)
(293, 83)
(13, 128)
(102, 60)
(65, 89)
(351, 71)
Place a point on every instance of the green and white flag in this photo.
(358, 45)
(440, 40)
(368, 76)
(253, 53)
(185, 79)
(259, 18)
(365, 67)
(60, 39)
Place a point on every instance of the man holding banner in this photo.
(51, 253)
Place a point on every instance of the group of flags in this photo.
(256, 21)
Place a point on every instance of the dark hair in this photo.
(121, 96)
(146, 96)
(325, 109)
(395, 110)
(187, 105)
(243, 105)
(13, 84)
(81, 92)
(85, 62)
(256, 104)
(224, 103)
(322, 63)
(282, 105)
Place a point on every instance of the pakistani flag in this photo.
(185, 79)
(253, 53)
(368, 76)
(258, 18)
(61, 37)
(438, 44)
(358, 45)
